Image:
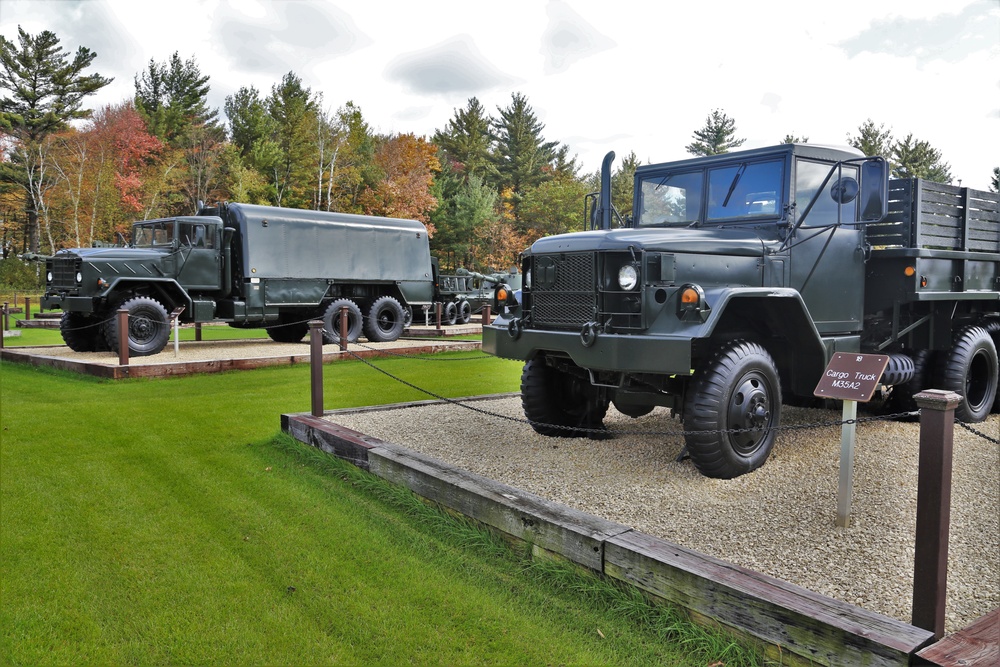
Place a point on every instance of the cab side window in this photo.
(196, 236)
(809, 177)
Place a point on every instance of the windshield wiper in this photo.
(732, 186)
(663, 181)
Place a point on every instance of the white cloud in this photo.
(623, 76)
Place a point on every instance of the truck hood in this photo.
(106, 254)
(741, 242)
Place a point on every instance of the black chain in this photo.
(606, 432)
(985, 437)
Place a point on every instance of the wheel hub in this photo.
(750, 408)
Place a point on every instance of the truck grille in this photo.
(564, 290)
(64, 272)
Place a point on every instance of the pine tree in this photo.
(521, 154)
(873, 140)
(623, 184)
(293, 110)
(913, 158)
(716, 137)
(172, 97)
(466, 140)
(995, 181)
(43, 91)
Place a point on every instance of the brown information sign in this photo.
(851, 376)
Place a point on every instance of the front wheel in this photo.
(561, 404)
(148, 326)
(733, 403)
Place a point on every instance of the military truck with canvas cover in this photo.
(737, 279)
(249, 266)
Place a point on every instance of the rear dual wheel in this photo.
(970, 368)
(386, 320)
(331, 321)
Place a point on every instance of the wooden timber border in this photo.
(229, 360)
(794, 625)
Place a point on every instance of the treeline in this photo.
(486, 184)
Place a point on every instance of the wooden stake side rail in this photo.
(794, 625)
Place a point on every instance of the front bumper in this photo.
(76, 304)
(628, 353)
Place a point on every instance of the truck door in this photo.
(827, 259)
(200, 257)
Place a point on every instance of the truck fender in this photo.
(167, 289)
(779, 320)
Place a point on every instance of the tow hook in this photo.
(514, 329)
(588, 335)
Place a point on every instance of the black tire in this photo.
(551, 399)
(331, 322)
(970, 368)
(993, 328)
(385, 320)
(450, 314)
(901, 399)
(82, 332)
(148, 326)
(737, 388)
(464, 312)
(289, 329)
(407, 317)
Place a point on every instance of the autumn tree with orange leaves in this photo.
(408, 164)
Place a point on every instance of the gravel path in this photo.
(778, 520)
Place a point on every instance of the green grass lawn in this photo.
(168, 521)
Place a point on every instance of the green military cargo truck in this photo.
(250, 266)
(737, 280)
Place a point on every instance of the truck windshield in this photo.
(149, 234)
(670, 199)
(736, 192)
(745, 190)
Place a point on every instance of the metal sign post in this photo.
(850, 377)
(845, 488)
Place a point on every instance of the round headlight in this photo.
(628, 277)
(79, 277)
(48, 277)
(527, 279)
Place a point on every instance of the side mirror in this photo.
(844, 190)
(874, 190)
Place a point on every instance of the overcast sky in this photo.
(601, 75)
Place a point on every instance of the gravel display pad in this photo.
(778, 520)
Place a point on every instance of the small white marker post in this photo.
(175, 319)
(850, 378)
(845, 488)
